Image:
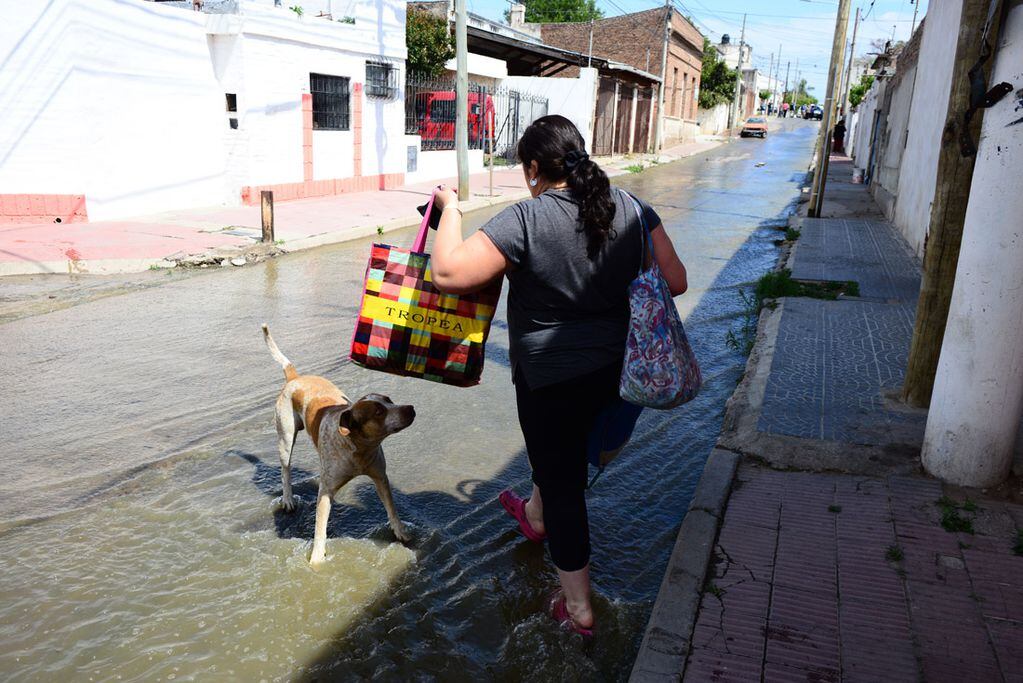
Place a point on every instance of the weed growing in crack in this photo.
(894, 554)
(634, 168)
(951, 520)
(746, 337)
(835, 508)
(792, 234)
(1018, 547)
(716, 590)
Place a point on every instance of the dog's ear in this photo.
(345, 422)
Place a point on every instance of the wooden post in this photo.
(820, 175)
(267, 206)
(948, 213)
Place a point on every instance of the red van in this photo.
(435, 114)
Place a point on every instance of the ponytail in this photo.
(592, 190)
(558, 149)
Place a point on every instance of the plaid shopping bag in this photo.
(407, 327)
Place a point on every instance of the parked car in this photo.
(755, 125)
(435, 114)
(814, 112)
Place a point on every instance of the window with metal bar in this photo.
(381, 80)
(331, 110)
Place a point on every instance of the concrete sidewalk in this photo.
(833, 558)
(211, 234)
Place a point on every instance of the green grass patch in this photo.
(779, 283)
(894, 554)
(951, 519)
(792, 234)
(634, 168)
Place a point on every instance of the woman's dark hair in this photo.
(559, 151)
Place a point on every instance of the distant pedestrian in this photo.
(838, 137)
(569, 254)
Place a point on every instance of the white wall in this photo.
(893, 142)
(439, 164)
(481, 66)
(919, 167)
(269, 63)
(714, 120)
(113, 99)
(573, 98)
(862, 134)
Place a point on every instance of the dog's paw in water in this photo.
(279, 504)
(401, 533)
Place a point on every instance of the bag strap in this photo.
(420, 243)
(646, 245)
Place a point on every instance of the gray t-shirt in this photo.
(567, 315)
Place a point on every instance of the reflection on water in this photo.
(188, 572)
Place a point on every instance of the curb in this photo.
(111, 266)
(665, 648)
(138, 265)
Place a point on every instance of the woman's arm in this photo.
(461, 266)
(668, 261)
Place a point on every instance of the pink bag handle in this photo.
(420, 244)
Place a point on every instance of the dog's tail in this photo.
(289, 370)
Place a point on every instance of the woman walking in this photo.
(569, 254)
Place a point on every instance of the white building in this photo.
(114, 108)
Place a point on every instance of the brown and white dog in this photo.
(346, 435)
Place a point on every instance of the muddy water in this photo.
(140, 539)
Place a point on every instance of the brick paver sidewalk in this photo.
(821, 577)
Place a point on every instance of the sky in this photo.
(801, 29)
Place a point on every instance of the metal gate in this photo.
(496, 116)
(603, 121)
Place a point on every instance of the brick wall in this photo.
(638, 40)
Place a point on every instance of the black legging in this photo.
(556, 421)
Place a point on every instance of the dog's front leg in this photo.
(384, 491)
(323, 502)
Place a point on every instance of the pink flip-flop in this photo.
(559, 612)
(516, 507)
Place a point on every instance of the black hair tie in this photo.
(574, 158)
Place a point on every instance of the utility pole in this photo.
(784, 90)
(589, 59)
(659, 136)
(462, 101)
(848, 71)
(738, 81)
(777, 79)
(948, 214)
(912, 27)
(820, 171)
(770, 68)
(798, 82)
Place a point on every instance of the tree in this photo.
(764, 94)
(559, 11)
(799, 96)
(857, 92)
(717, 81)
(429, 43)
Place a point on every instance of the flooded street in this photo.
(138, 535)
